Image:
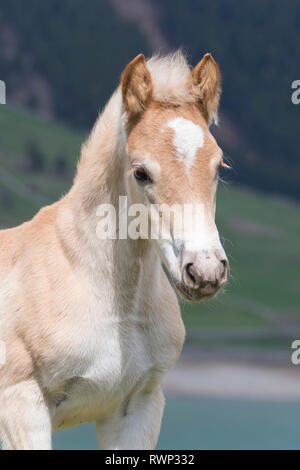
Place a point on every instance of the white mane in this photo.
(170, 77)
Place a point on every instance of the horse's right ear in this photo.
(136, 85)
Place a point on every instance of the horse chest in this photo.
(120, 357)
(114, 364)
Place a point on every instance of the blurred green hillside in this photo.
(256, 44)
(260, 306)
(64, 59)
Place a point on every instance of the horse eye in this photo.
(141, 175)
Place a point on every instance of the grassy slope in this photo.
(17, 130)
(261, 303)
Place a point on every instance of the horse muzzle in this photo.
(202, 275)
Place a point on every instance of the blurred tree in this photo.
(35, 160)
(61, 166)
(72, 50)
(256, 44)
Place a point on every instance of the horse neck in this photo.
(100, 180)
(100, 172)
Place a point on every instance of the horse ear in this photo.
(206, 83)
(136, 85)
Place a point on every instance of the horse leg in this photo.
(25, 422)
(137, 426)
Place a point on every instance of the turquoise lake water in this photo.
(212, 424)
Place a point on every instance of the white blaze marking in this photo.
(187, 139)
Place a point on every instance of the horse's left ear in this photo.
(136, 85)
(206, 84)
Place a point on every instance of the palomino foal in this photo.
(91, 325)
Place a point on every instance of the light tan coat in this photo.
(92, 326)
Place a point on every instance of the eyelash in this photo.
(222, 165)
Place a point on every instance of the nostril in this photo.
(192, 276)
(189, 268)
(225, 271)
